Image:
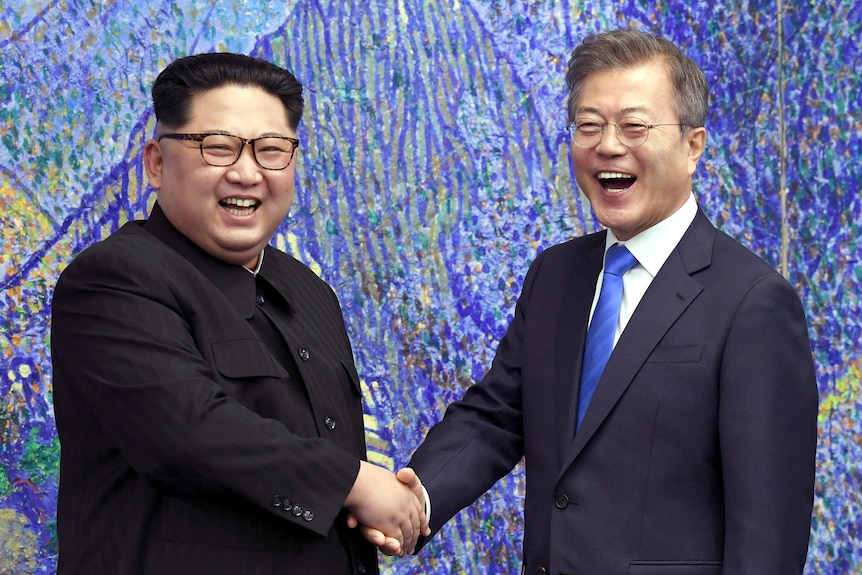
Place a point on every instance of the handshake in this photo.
(388, 508)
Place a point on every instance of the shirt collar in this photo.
(654, 245)
(256, 270)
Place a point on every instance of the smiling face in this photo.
(632, 189)
(230, 212)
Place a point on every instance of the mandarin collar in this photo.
(235, 282)
(278, 270)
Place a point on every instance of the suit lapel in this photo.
(571, 333)
(669, 295)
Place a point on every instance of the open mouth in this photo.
(616, 181)
(239, 207)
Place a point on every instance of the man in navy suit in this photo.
(694, 453)
(207, 403)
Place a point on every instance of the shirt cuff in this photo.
(427, 504)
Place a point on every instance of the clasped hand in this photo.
(389, 508)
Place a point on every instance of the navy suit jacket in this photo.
(187, 446)
(696, 454)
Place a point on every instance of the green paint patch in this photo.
(41, 461)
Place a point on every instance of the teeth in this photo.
(612, 175)
(240, 206)
(239, 202)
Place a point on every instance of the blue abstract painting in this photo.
(434, 168)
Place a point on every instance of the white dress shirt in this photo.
(651, 248)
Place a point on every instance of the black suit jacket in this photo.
(696, 455)
(187, 446)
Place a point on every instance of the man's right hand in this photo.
(390, 510)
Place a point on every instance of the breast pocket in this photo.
(248, 373)
(245, 358)
(676, 354)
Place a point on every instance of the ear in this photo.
(154, 163)
(696, 138)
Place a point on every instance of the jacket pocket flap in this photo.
(675, 568)
(246, 358)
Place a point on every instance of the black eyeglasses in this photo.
(270, 152)
(632, 132)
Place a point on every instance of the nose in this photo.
(245, 171)
(609, 143)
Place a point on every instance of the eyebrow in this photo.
(218, 132)
(624, 112)
(274, 135)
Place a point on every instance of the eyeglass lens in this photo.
(632, 132)
(270, 153)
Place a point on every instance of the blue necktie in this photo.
(600, 336)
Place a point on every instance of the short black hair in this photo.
(186, 77)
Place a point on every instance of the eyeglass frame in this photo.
(572, 127)
(199, 138)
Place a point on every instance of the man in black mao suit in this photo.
(695, 455)
(206, 398)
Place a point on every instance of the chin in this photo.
(614, 221)
(239, 253)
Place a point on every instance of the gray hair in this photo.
(627, 48)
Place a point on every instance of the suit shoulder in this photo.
(572, 248)
(129, 244)
(286, 263)
(731, 253)
(295, 277)
(580, 244)
(736, 269)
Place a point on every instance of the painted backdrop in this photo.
(433, 169)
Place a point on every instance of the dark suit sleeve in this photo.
(130, 367)
(480, 438)
(768, 417)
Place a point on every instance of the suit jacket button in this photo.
(303, 354)
(297, 510)
(562, 502)
(276, 501)
(308, 515)
(361, 569)
(260, 300)
(286, 505)
(330, 423)
(543, 571)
